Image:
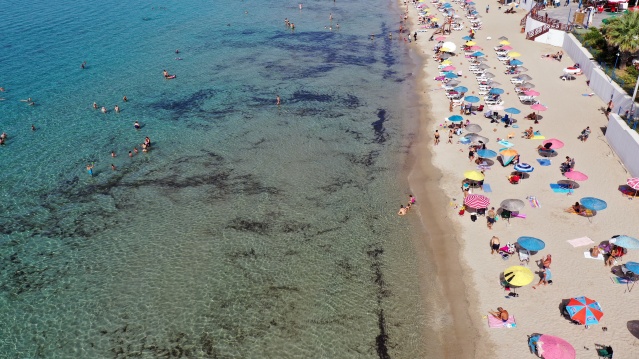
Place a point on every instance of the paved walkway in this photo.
(562, 13)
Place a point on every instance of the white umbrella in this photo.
(450, 46)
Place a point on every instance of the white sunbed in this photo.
(516, 81)
(498, 101)
(524, 256)
(504, 58)
(458, 27)
(526, 99)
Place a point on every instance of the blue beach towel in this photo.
(505, 143)
(543, 162)
(557, 188)
(487, 188)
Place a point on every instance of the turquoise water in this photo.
(249, 230)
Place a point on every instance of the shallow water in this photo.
(249, 230)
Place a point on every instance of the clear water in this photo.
(250, 230)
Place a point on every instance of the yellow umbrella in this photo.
(474, 175)
(518, 276)
(514, 54)
(471, 43)
(509, 152)
(445, 49)
(446, 62)
(434, 19)
(504, 42)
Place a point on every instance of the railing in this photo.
(532, 34)
(553, 23)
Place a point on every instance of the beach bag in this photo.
(473, 217)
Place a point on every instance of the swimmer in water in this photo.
(113, 167)
(2, 89)
(95, 106)
(33, 128)
(103, 110)
(117, 109)
(113, 154)
(278, 101)
(125, 99)
(84, 64)
(90, 169)
(165, 73)
(177, 51)
(136, 125)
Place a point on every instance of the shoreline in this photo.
(438, 233)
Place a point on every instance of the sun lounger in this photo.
(504, 58)
(516, 81)
(458, 27)
(524, 256)
(490, 102)
(526, 99)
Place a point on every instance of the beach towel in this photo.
(487, 188)
(587, 255)
(505, 143)
(519, 215)
(578, 242)
(538, 137)
(557, 188)
(618, 281)
(497, 323)
(544, 162)
(534, 203)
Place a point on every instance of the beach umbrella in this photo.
(516, 62)
(633, 183)
(477, 54)
(449, 68)
(475, 48)
(470, 43)
(531, 93)
(452, 83)
(496, 91)
(503, 38)
(436, 20)
(633, 267)
(525, 77)
(483, 67)
(440, 38)
(626, 242)
(584, 310)
(489, 75)
(473, 128)
(474, 175)
(447, 5)
(524, 168)
(512, 110)
(506, 48)
(455, 118)
(593, 204)
(475, 138)
(476, 201)
(445, 56)
(450, 75)
(514, 54)
(512, 204)
(470, 3)
(450, 46)
(461, 89)
(486, 153)
(538, 107)
(504, 42)
(522, 69)
(496, 107)
(527, 85)
(494, 83)
(550, 347)
(471, 99)
(531, 243)
(554, 143)
(518, 276)
(576, 176)
(467, 38)
(507, 156)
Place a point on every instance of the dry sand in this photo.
(468, 274)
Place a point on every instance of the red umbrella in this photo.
(555, 143)
(576, 176)
(476, 201)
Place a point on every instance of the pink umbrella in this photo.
(550, 347)
(476, 201)
(475, 48)
(538, 107)
(440, 38)
(555, 143)
(531, 93)
(633, 183)
(506, 47)
(576, 176)
(449, 68)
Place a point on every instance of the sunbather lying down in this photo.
(575, 208)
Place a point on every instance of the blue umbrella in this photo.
(447, 5)
(531, 243)
(455, 118)
(477, 54)
(486, 153)
(633, 267)
(584, 310)
(627, 242)
(512, 110)
(471, 99)
(496, 91)
(471, 3)
(594, 204)
(450, 75)
(461, 89)
(467, 38)
(524, 167)
(516, 62)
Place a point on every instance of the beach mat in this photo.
(505, 143)
(534, 203)
(578, 242)
(487, 188)
(544, 162)
(497, 323)
(557, 188)
(618, 281)
(587, 255)
(538, 137)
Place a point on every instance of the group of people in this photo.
(104, 110)
(556, 56)
(404, 209)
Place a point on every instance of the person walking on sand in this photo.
(609, 108)
(436, 137)
(584, 134)
(490, 218)
(546, 277)
(494, 245)
(471, 154)
(450, 136)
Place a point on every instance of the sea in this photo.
(248, 230)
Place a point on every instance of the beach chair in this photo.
(526, 99)
(516, 81)
(524, 256)
(604, 351)
(504, 58)
(502, 53)
(458, 27)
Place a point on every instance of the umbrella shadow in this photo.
(522, 175)
(633, 327)
(545, 153)
(486, 162)
(563, 311)
(568, 183)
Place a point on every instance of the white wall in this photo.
(625, 142)
(552, 37)
(572, 48)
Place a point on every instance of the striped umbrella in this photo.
(584, 310)
(633, 182)
(476, 201)
(524, 168)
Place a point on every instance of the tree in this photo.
(623, 33)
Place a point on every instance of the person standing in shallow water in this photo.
(278, 101)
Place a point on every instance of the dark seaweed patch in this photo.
(247, 225)
(378, 126)
(366, 160)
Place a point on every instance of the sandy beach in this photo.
(468, 273)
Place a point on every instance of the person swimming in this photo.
(90, 169)
(136, 125)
